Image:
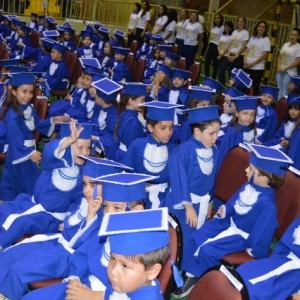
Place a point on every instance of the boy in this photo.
(87, 50)
(120, 71)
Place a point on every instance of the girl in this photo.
(21, 168)
(256, 53)
(212, 51)
(161, 20)
(131, 123)
(22, 41)
(170, 60)
(150, 155)
(180, 30)
(68, 38)
(168, 31)
(151, 67)
(192, 170)
(288, 60)
(103, 39)
(142, 23)
(133, 22)
(242, 129)
(108, 59)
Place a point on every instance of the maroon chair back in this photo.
(129, 60)
(41, 107)
(76, 73)
(133, 47)
(195, 72)
(281, 108)
(181, 63)
(137, 72)
(34, 36)
(174, 49)
(71, 64)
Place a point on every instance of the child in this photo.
(242, 129)
(33, 24)
(48, 255)
(23, 40)
(151, 66)
(266, 116)
(120, 71)
(192, 169)
(247, 221)
(87, 50)
(58, 73)
(57, 187)
(283, 134)
(170, 59)
(293, 151)
(21, 169)
(132, 124)
(41, 27)
(107, 60)
(294, 85)
(68, 38)
(212, 83)
(150, 155)
(103, 40)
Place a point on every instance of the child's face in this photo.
(178, 82)
(106, 49)
(88, 189)
(162, 131)
(291, 87)
(119, 57)
(81, 146)
(125, 275)
(67, 36)
(267, 99)
(156, 54)
(86, 81)
(133, 104)
(209, 135)
(161, 75)
(92, 91)
(55, 55)
(202, 103)
(162, 54)
(167, 61)
(294, 113)
(253, 173)
(86, 41)
(110, 207)
(21, 32)
(246, 117)
(23, 93)
(229, 106)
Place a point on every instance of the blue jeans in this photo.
(283, 79)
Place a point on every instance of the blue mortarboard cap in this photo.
(269, 159)
(272, 90)
(97, 25)
(242, 80)
(148, 34)
(172, 56)
(22, 78)
(96, 73)
(200, 93)
(50, 20)
(181, 73)
(92, 62)
(119, 33)
(160, 111)
(159, 38)
(165, 47)
(104, 30)
(212, 83)
(203, 114)
(295, 80)
(89, 28)
(124, 187)
(85, 134)
(136, 232)
(34, 15)
(25, 28)
(70, 30)
(67, 25)
(47, 43)
(233, 92)
(245, 102)
(134, 89)
(61, 48)
(42, 17)
(61, 28)
(164, 68)
(50, 33)
(121, 50)
(293, 98)
(18, 69)
(86, 34)
(9, 62)
(11, 17)
(107, 89)
(96, 167)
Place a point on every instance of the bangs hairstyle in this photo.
(221, 20)
(152, 122)
(203, 125)
(255, 28)
(292, 106)
(230, 25)
(149, 259)
(275, 181)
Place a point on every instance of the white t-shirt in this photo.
(288, 54)
(256, 46)
(215, 34)
(238, 37)
(170, 27)
(133, 19)
(161, 21)
(142, 20)
(180, 29)
(224, 42)
(192, 31)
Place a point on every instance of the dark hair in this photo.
(11, 102)
(298, 30)
(275, 181)
(147, 8)
(290, 106)
(244, 19)
(203, 125)
(149, 259)
(152, 122)
(235, 121)
(165, 9)
(221, 20)
(172, 16)
(255, 28)
(230, 25)
(133, 204)
(138, 6)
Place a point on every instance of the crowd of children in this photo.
(117, 146)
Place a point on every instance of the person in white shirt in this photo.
(142, 23)
(256, 53)
(170, 27)
(161, 20)
(180, 30)
(212, 51)
(133, 20)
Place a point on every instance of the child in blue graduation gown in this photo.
(48, 255)
(150, 155)
(192, 171)
(266, 116)
(246, 222)
(278, 276)
(87, 50)
(120, 71)
(151, 66)
(68, 38)
(132, 124)
(293, 151)
(56, 188)
(21, 169)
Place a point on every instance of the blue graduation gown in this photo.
(107, 62)
(20, 173)
(69, 44)
(120, 72)
(281, 271)
(151, 68)
(130, 128)
(147, 156)
(179, 96)
(18, 52)
(293, 152)
(86, 52)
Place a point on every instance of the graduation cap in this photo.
(172, 56)
(233, 92)
(203, 114)
(160, 111)
(11, 17)
(34, 15)
(181, 73)
(9, 62)
(70, 30)
(41, 17)
(293, 98)
(164, 68)
(97, 25)
(67, 25)
(47, 43)
(105, 31)
(107, 89)
(22, 78)
(295, 80)
(86, 34)
(85, 134)
(158, 38)
(234, 71)
(136, 232)
(134, 89)
(61, 48)
(245, 102)
(212, 83)
(165, 47)
(242, 80)
(201, 93)
(50, 20)
(88, 28)
(92, 62)
(96, 167)
(121, 50)
(25, 28)
(124, 187)
(96, 73)
(50, 33)
(148, 34)
(272, 90)
(119, 33)
(19, 69)
(269, 159)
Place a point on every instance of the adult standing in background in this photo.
(212, 51)
(192, 38)
(170, 27)
(288, 60)
(180, 30)
(161, 20)
(256, 53)
(133, 19)
(142, 23)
